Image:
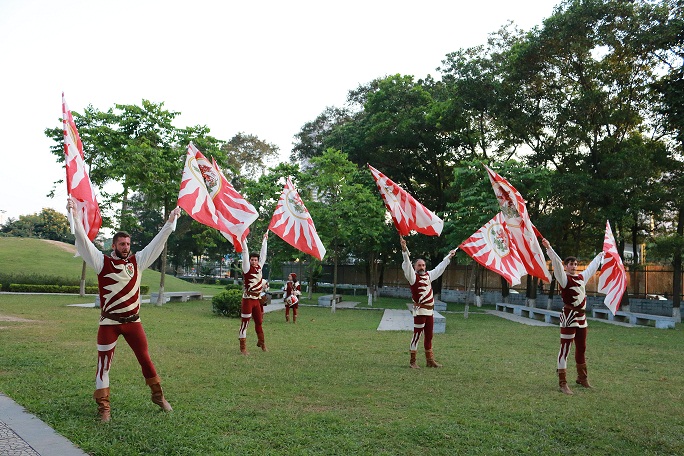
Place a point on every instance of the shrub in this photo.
(233, 286)
(227, 303)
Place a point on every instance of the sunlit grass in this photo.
(333, 384)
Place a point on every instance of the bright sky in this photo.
(263, 67)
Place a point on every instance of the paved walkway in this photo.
(23, 434)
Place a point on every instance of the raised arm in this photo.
(406, 265)
(441, 267)
(593, 266)
(557, 263)
(151, 252)
(85, 248)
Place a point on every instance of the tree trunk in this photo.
(333, 303)
(504, 289)
(162, 276)
(677, 267)
(81, 291)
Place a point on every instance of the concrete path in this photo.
(23, 434)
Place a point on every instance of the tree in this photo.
(48, 224)
(350, 219)
(247, 154)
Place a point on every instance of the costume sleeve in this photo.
(85, 248)
(593, 267)
(558, 269)
(151, 252)
(298, 290)
(245, 256)
(409, 273)
(439, 270)
(262, 254)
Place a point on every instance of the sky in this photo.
(261, 67)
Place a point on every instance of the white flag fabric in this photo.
(407, 213)
(208, 197)
(292, 222)
(523, 232)
(234, 212)
(491, 246)
(612, 278)
(78, 182)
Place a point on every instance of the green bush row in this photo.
(37, 279)
(41, 288)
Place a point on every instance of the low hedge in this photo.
(39, 288)
(227, 303)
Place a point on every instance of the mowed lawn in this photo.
(333, 384)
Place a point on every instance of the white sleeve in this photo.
(245, 256)
(558, 269)
(262, 254)
(151, 252)
(86, 249)
(439, 270)
(593, 267)
(406, 266)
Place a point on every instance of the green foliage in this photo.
(227, 303)
(233, 286)
(33, 288)
(48, 224)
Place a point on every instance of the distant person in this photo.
(293, 291)
(253, 284)
(118, 278)
(420, 281)
(573, 318)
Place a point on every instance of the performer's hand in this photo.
(452, 253)
(70, 204)
(174, 214)
(545, 243)
(403, 244)
(266, 235)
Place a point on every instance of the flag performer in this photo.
(573, 318)
(420, 281)
(118, 277)
(253, 283)
(293, 291)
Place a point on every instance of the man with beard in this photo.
(423, 301)
(118, 278)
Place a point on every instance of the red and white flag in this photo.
(234, 212)
(292, 222)
(612, 278)
(407, 213)
(207, 196)
(523, 233)
(491, 246)
(78, 182)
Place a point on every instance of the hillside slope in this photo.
(28, 256)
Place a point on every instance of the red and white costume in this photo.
(119, 289)
(293, 291)
(573, 318)
(253, 284)
(423, 300)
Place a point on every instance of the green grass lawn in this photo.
(333, 384)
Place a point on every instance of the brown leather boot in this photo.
(430, 358)
(563, 383)
(157, 394)
(101, 396)
(582, 376)
(413, 363)
(261, 343)
(243, 347)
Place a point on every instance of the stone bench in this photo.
(439, 320)
(545, 315)
(182, 296)
(327, 300)
(660, 321)
(277, 294)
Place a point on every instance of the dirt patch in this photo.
(8, 318)
(62, 245)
